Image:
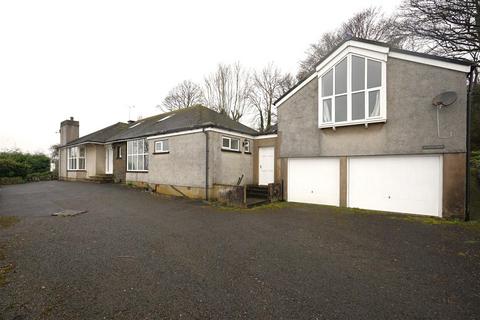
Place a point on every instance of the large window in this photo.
(351, 92)
(137, 155)
(231, 144)
(76, 158)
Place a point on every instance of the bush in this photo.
(12, 168)
(18, 164)
(39, 176)
(11, 180)
(475, 159)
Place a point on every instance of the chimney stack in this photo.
(69, 131)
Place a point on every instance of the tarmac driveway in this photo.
(135, 255)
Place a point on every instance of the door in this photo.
(109, 160)
(405, 184)
(314, 180)
(266, 164)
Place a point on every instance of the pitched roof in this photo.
(102, 135)
(180, 120)
(378, 43)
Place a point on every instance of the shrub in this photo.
(475, 159)
(18, 164)
(39, 176)
(11, 180)
(12, 168)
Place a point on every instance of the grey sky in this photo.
(93, 59)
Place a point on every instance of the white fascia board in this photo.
(83, 143)
(297, 88)
(266, 136)
(180, 133)
(430, 62)
(232, 133)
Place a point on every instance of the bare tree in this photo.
(268, 85)
(369, 24)
(227, 90)
(446, 27)
(184, 95)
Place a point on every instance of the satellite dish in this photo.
(444, 99)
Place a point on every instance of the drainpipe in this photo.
(206, 163)
(469, 117)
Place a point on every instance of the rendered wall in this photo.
(411, 119)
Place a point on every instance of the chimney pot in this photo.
(71, 118)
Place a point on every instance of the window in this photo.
(119, 152)
(246, 146)
(161, 146)
(230, 144)
(352, 91)
(76, 158)
(137, 155)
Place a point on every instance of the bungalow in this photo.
(194, 152)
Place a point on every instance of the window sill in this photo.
(137, 171)
(351, 123)
(162, 152)
(76, 170)
(229, 150)
(247, 152)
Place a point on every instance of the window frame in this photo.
(132, 153)
(229, 148)
(350, 92)
(77, 158)
(162, 143)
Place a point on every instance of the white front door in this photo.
(109, 160)
(314, 180)
(266, 164)
(406, 184)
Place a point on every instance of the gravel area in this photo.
(134, 255)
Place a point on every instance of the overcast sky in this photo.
(93, 59)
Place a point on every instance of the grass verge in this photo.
(6, 221)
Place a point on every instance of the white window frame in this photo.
(382, 117)
(246, 146)
(230, 144)
(132, 153)
(162, 149)
(73, 153)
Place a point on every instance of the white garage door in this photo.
(407, 184)
(314, 181)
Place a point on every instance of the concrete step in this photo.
(253, 201)
(102, 178)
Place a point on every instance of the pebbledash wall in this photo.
(182, 171)
(411, 124)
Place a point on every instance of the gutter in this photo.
(469, 151)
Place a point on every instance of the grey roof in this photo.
(180, 120)
(383, 44)
(102, 135)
